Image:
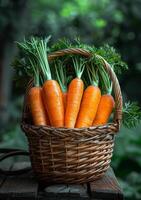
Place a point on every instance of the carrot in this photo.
(54, 102)
(53, 98)
(36, 106)
(74, 95)
(51, 89)
(36, 101)
(107, 102)
(104, 111)
(88, 107)
(90, 101)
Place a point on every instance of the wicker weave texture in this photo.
(72, 157)
(63, 155)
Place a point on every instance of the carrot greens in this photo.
(61, 75)
(79, 66)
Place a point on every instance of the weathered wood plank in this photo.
(2, 176)
(19, 187)
(26, 187)
(65, 192)
(107, 187)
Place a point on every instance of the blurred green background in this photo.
(96, 22)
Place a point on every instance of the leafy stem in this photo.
(92, 73)
(79, 65)
(41, 55)
(105, 79)
(36, 73)
(60, 70)
(36, 52)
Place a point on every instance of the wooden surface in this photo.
(107, 187)
(26, 187)
(19, 187)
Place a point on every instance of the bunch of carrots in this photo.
(59, 100)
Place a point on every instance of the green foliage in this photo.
(132, 186)
(113, 58)
(126, 161)
(14, 138)
(22, 71)
(61, 44)
(107, 52)
(131, 114)
(34, 51)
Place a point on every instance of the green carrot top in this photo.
(101, 75)
(79, 65)
(36, 52)
(106, 84)
(61, 76)
(92, 72)
(36, 73)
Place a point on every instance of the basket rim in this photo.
(91, 128)
(75, 134)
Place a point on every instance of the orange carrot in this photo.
(35, 98)
(74, 95)
(107, 102)
(54, 102)
(90, 100)
(36, 106)
(89, 105)
(104, 111)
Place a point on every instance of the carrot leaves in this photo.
(107, 52)
(35, 56)
(106, 84)
(61, 76)
(79, 65)
(112, 57)
(92, 72)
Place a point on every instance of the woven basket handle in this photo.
(108, 68)
(6, 153)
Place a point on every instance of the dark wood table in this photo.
(26, 187)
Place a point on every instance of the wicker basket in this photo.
(63, 155)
